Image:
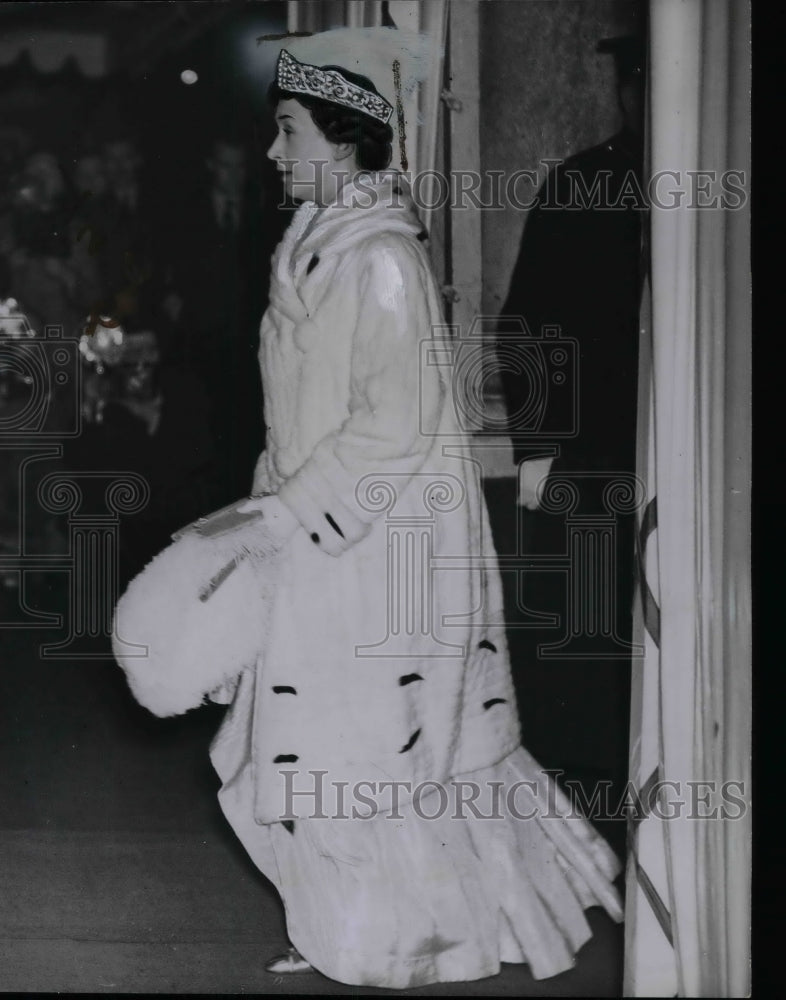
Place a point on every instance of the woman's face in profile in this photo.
(312, 168)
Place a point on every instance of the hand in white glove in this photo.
(532, 479)
(277, 516)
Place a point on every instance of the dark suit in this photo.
(579, 268)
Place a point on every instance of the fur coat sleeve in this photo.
(394, 404)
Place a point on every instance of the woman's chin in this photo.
(300, 190)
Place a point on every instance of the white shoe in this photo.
(290, 963)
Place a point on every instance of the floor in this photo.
(120, 873)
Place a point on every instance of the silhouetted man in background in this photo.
(579, 268)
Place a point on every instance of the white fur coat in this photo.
(385, 656)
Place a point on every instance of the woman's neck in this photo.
(343, 180)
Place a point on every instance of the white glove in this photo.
(532, 479)
(277, 516)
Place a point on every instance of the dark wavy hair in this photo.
(373, 140)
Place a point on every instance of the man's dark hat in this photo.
(629, 53)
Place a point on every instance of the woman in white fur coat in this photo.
(371, 762)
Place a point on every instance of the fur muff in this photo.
(195, 617)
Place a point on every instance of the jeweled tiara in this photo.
(329, 85)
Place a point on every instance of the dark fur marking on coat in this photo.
(315, 538)
(289, 825)
(410, 742)
(494, 701)
(409, 678)
(284, 689)
(333, 525)
(422, 236)
(286, 758)
(312, 263)
(485, 644)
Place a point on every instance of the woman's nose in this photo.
(274, 152)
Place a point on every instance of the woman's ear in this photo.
(344, 150)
